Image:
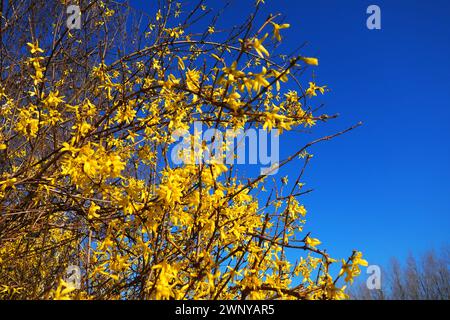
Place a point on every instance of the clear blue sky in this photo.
(384, 188)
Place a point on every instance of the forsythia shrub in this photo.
(87, 119)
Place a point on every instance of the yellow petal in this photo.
(311, 61)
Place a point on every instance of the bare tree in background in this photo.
(425, 278)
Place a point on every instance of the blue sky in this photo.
(384, 188)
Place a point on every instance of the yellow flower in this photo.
(34, 47)
(90, 167)
(310, 61)
(277, 28)
(63, 291)
(83, 128)
(166, 280)
(158, 15)
(7, 183)
(311, 91)
(270, 121)
(109, 12)
(27, 125)
(53, 99)
(283, 77)
(92, 213)
(260, 80)
(259, 48)
(312, 242)
(68, 147)
(358, 260)
(180, 63)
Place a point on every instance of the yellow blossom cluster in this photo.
(86, 177)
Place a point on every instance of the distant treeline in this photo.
(418, 278)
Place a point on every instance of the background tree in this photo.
(423, 278)
(87, 119)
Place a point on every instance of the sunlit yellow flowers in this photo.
(312, 242)
(259, 48)
(311, 91)
(277, 28)
(63, 291)
(92, 212)
(88, 174)
(34, 47)
(310, 61)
